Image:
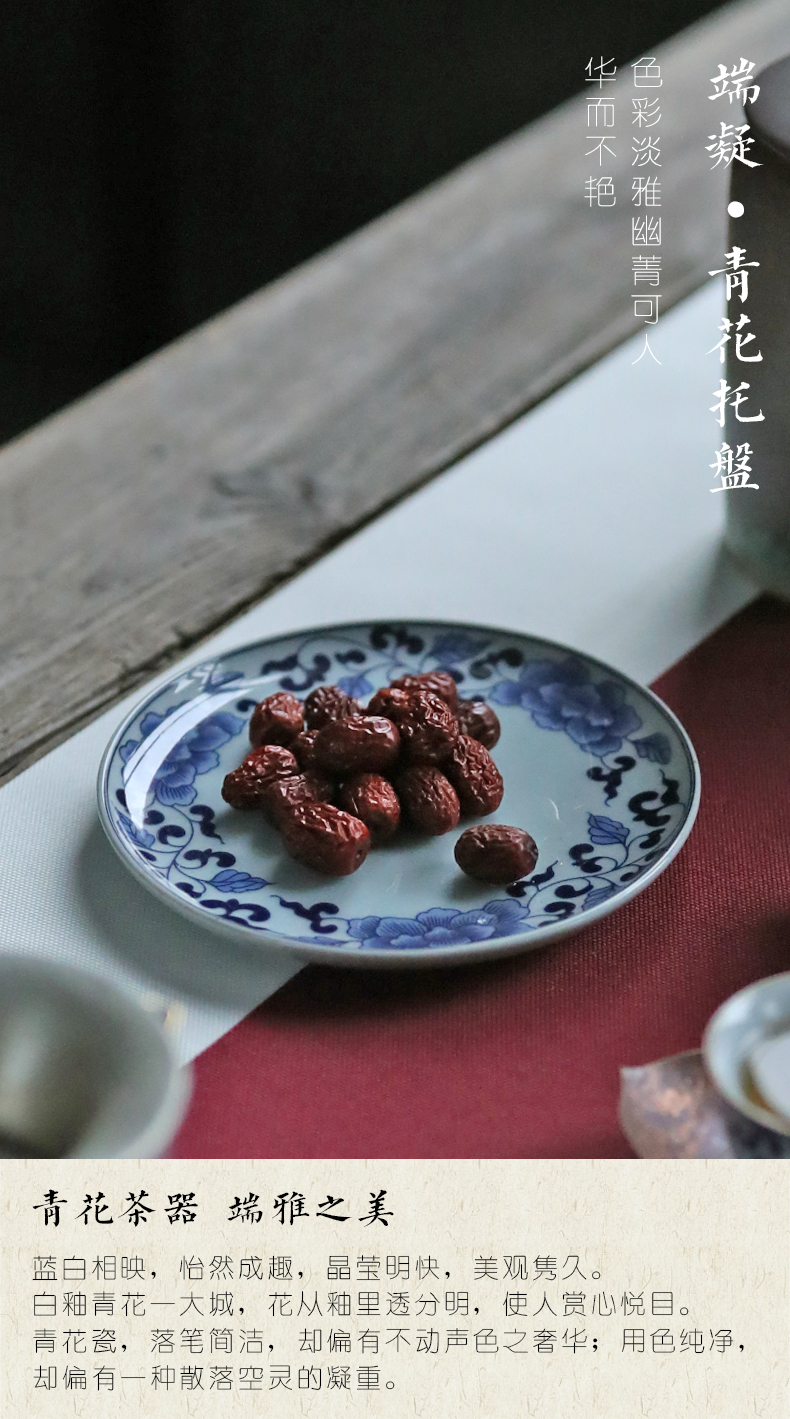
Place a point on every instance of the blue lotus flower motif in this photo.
(440, 926)
(195, 754)
(559, 695)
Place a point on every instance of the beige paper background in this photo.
(716, 1234)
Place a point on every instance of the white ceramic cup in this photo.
(84, 1071)
(755, 1014)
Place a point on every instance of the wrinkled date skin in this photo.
(326, 704)
(276, 720)
(493, 852)
(325, 838)
(361, 744)
(416, 753)
(303, 746)
(246, 786)
(474, 776)
(372, 799)
(438, 682)
(428, 728)
(283, 795)
(428, 799)
(389, 702)
(479, 721)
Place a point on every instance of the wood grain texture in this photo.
(141, 518)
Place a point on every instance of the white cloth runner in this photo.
(589, 521)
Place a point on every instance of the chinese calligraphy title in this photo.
(732, 145)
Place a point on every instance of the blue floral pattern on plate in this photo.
(595, 767)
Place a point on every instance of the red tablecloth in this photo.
(520, 1058)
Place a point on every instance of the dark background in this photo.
(162, 159)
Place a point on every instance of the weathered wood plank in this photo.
(142, 517)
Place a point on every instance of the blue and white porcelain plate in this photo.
(596, 768)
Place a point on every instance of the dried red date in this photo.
(417, 724)
(246, 786)
(281, 796)
(326, 704)
(325, 838)
(372, 799)
(360, 744)
(303, 746)
(438, 682)
(389, 702)
(428, 728)
(276, 720)
(428, 799)
(493, 852)
(474, 776)
(479, 721)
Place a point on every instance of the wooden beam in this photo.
(144, 516)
